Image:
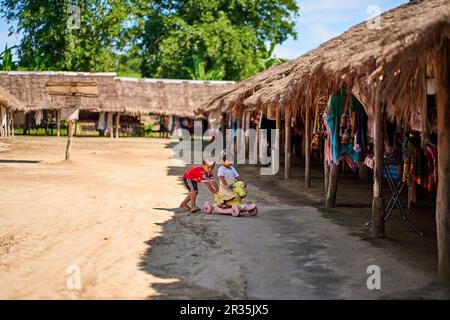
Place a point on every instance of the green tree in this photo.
(6, 60)
(221, 39)
(48, 42)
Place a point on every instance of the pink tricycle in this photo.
(234, 210)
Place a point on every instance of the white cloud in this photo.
(318, 6)
(321, 33)
(285, 53)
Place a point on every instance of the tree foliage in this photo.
(47, 42)
(190, 39)
(6, 60)
(231, 39)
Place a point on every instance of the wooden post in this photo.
(237, 142)
(442, 70)
(330, 201)
(378, 201)
(287, 144)
(278, 123)
(326, 176)
(308, 147)
(69, 138)
(6, 124)
(117, 124)
(45, 115)
(111, 125)
(223, 128)
(58, 122)
(12, 124)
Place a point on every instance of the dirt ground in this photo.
(112, 213)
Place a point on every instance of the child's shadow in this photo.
(174, 210)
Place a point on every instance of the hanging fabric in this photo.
(101, 122)
(38, 116)
(345, 128)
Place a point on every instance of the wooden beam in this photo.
(278, 122)
(308, 147)
(287, 144)
(378, 201)
(326, 176)
(330, 201)
(12, 123)
(6, 124)
(69, 138)
(110, 125)
(442, 70)
(223, 128)
(117, 124)
(58, 123)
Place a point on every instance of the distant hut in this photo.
(42, 109)
(175, 101)
(120, 104)
(8, 105)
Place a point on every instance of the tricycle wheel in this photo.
(253, 212)
(235, 211)
(207, 207)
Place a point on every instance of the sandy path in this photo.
(95, 213)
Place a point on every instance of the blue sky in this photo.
(319, 21)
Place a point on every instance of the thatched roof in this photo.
(7, 100)
(167, 97)
(391, 61)
(30, 88)
(128, 95)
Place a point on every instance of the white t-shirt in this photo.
(227, 173)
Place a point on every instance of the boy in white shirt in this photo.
(227, 174)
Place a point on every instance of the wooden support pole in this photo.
(6, 124)
(442, 68)
(58, 122)
(278, 122)
(12, 124)
(117, 124)
(330, 201)
(287, 144)
(378, 201)
(69, 138)
(223, 128)
(110, 125)
(308, 147)
(326, 176)
(45, 115)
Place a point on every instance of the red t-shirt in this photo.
(197, 174)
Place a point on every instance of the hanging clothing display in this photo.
(38, 116)
(419, 166)
(346, 127)
(101, 122)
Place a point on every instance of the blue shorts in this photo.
(191, 185)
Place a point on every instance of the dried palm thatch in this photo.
(167, 97)
(234, 98)
(30, 88)
(8, 101)
(389, 63)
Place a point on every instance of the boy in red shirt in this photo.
(192, 177)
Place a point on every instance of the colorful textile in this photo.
(345, 127)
